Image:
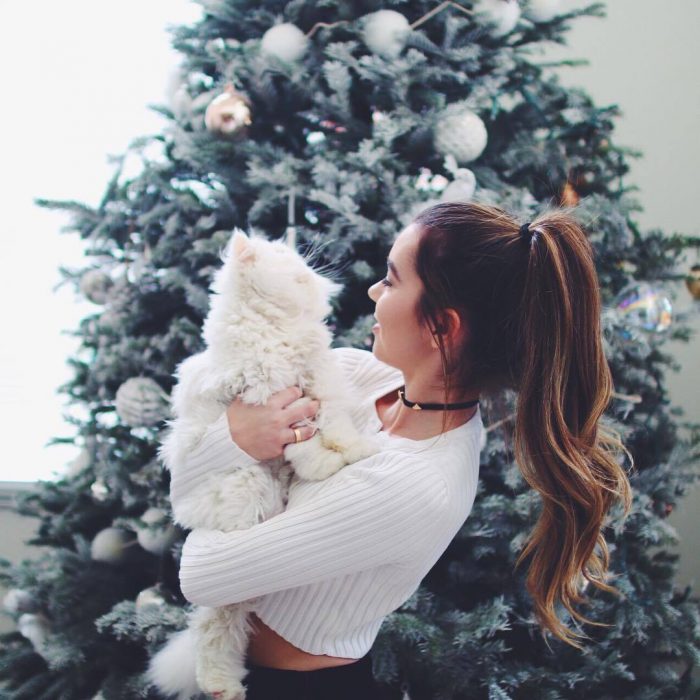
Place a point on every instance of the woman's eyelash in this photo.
(386, 282)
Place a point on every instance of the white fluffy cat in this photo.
(265, 331)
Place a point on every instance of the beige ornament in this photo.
(692, 281)
(228, 114)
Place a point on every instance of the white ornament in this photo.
(149, 596)
(35, 628)
(461, 189)
(502, 15)
(286, 41)
(155, 541)
(461, 133)
(543, 10)
(99, 490)
(385, 32)
(17, 600)
(140, 402)
(109, 545)
(95, 286)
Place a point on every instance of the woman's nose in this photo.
(371, 290)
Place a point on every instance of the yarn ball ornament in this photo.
(228, 114)
(96, 285)
(385, 32)
(140, 402)
(109, 545)
(153, 539)
(501, 15)
(462, 188)
(35, 628)
(285, 41)
(17, 600)
(543, 10)
(461, 133)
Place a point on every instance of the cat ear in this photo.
(241, 246)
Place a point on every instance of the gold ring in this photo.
(297, 435)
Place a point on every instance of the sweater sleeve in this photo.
(358, 519)
(217, 452)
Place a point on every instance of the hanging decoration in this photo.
(229, 114)
(501, 15)
(156, 534)
(140, 402)
(285, 41)
(149, 597)
(17, 600)
(460, 132)
(35, 628)
(645, 307)
(692, 282)
(95, 286)
(385, 32)
(109, 545)
(542, 10)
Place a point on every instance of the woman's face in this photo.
(399, 340)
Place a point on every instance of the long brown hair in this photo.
(532, 311)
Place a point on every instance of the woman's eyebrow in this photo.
(392, 267)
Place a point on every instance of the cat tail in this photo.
(172, 670)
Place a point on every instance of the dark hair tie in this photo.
(525, 233)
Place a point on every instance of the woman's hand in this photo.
(263, 431)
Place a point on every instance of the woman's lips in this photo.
(375, 327)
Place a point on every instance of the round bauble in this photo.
(385, 32)
(156, 540)
(109, 545)
(461, 133)
(96, 285)
(645, 307)
(542, 10)
(149, 597)
(228, 114)
(18, 600)
(285, 41)
(692, 282)
(462, 188)
(140, 402)
(501, 15)
(99, 490)
(35, 628)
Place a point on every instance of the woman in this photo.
(472, 302)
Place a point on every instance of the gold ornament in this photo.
(692, 281)
(569, 196)
(228, 114)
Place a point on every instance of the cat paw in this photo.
(319, 466)
(360, 449)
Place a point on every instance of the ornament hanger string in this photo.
(417, 23)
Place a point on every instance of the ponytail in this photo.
(531, 302)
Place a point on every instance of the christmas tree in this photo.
(342, 121)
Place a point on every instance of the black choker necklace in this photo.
(434, 406)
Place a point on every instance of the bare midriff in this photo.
(267, 648)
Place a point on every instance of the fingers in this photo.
(305, 432)
(283, 398)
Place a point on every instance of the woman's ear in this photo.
(451, 326)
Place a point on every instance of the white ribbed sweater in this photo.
(349, 550)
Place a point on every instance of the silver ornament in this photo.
(18, 600)
(543, 10)
(109, 545)
(462, 188)
(153, 540)
(99, 490)
(149, 597)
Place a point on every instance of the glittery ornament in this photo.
(228, 114)
(285, 41)
(385, 32)
(644, 307)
